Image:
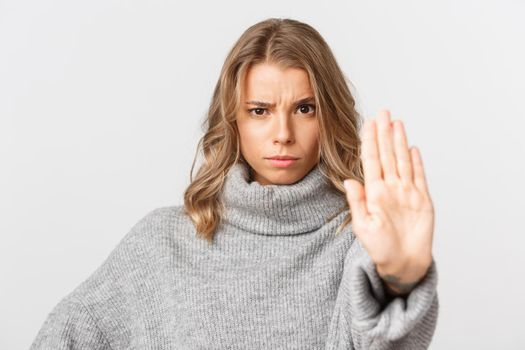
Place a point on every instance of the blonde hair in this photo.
(286, 43)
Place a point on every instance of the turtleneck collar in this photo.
(301, 207)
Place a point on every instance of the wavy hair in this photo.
(286, 43)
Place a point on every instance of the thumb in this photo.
(355, 194)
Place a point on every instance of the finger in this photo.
(369, 152)
(419, 173)
(403, 160)
(355, 195)
(386, 146)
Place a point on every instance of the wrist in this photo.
(402, 280)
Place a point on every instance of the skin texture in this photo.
(393, 214)
(286, 128)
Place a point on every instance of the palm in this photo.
(393, 215)
(398, 221)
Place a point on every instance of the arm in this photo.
(393, 218)
(70, 326)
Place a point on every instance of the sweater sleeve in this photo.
(367, 317)
(70, 326)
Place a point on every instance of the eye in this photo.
(311, 107)
(256, 109)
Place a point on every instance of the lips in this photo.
(283, 158)
(281, 163)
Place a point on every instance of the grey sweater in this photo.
(276, 277)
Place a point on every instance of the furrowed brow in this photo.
(269, 104)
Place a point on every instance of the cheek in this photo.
(313, 147)
(311, 138)
(250, 138)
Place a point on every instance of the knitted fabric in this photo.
(275, 277)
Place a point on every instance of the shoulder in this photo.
(134, 254)
(159, 218)
(107, 299)
(155, 224)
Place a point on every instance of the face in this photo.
(278, 117)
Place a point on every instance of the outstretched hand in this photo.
(392, 214)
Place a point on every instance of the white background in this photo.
(100, 110)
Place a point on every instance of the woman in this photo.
(266, 252)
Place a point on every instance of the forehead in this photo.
(267, 81)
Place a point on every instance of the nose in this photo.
(284, 133)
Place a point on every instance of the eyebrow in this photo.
(269, 104)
